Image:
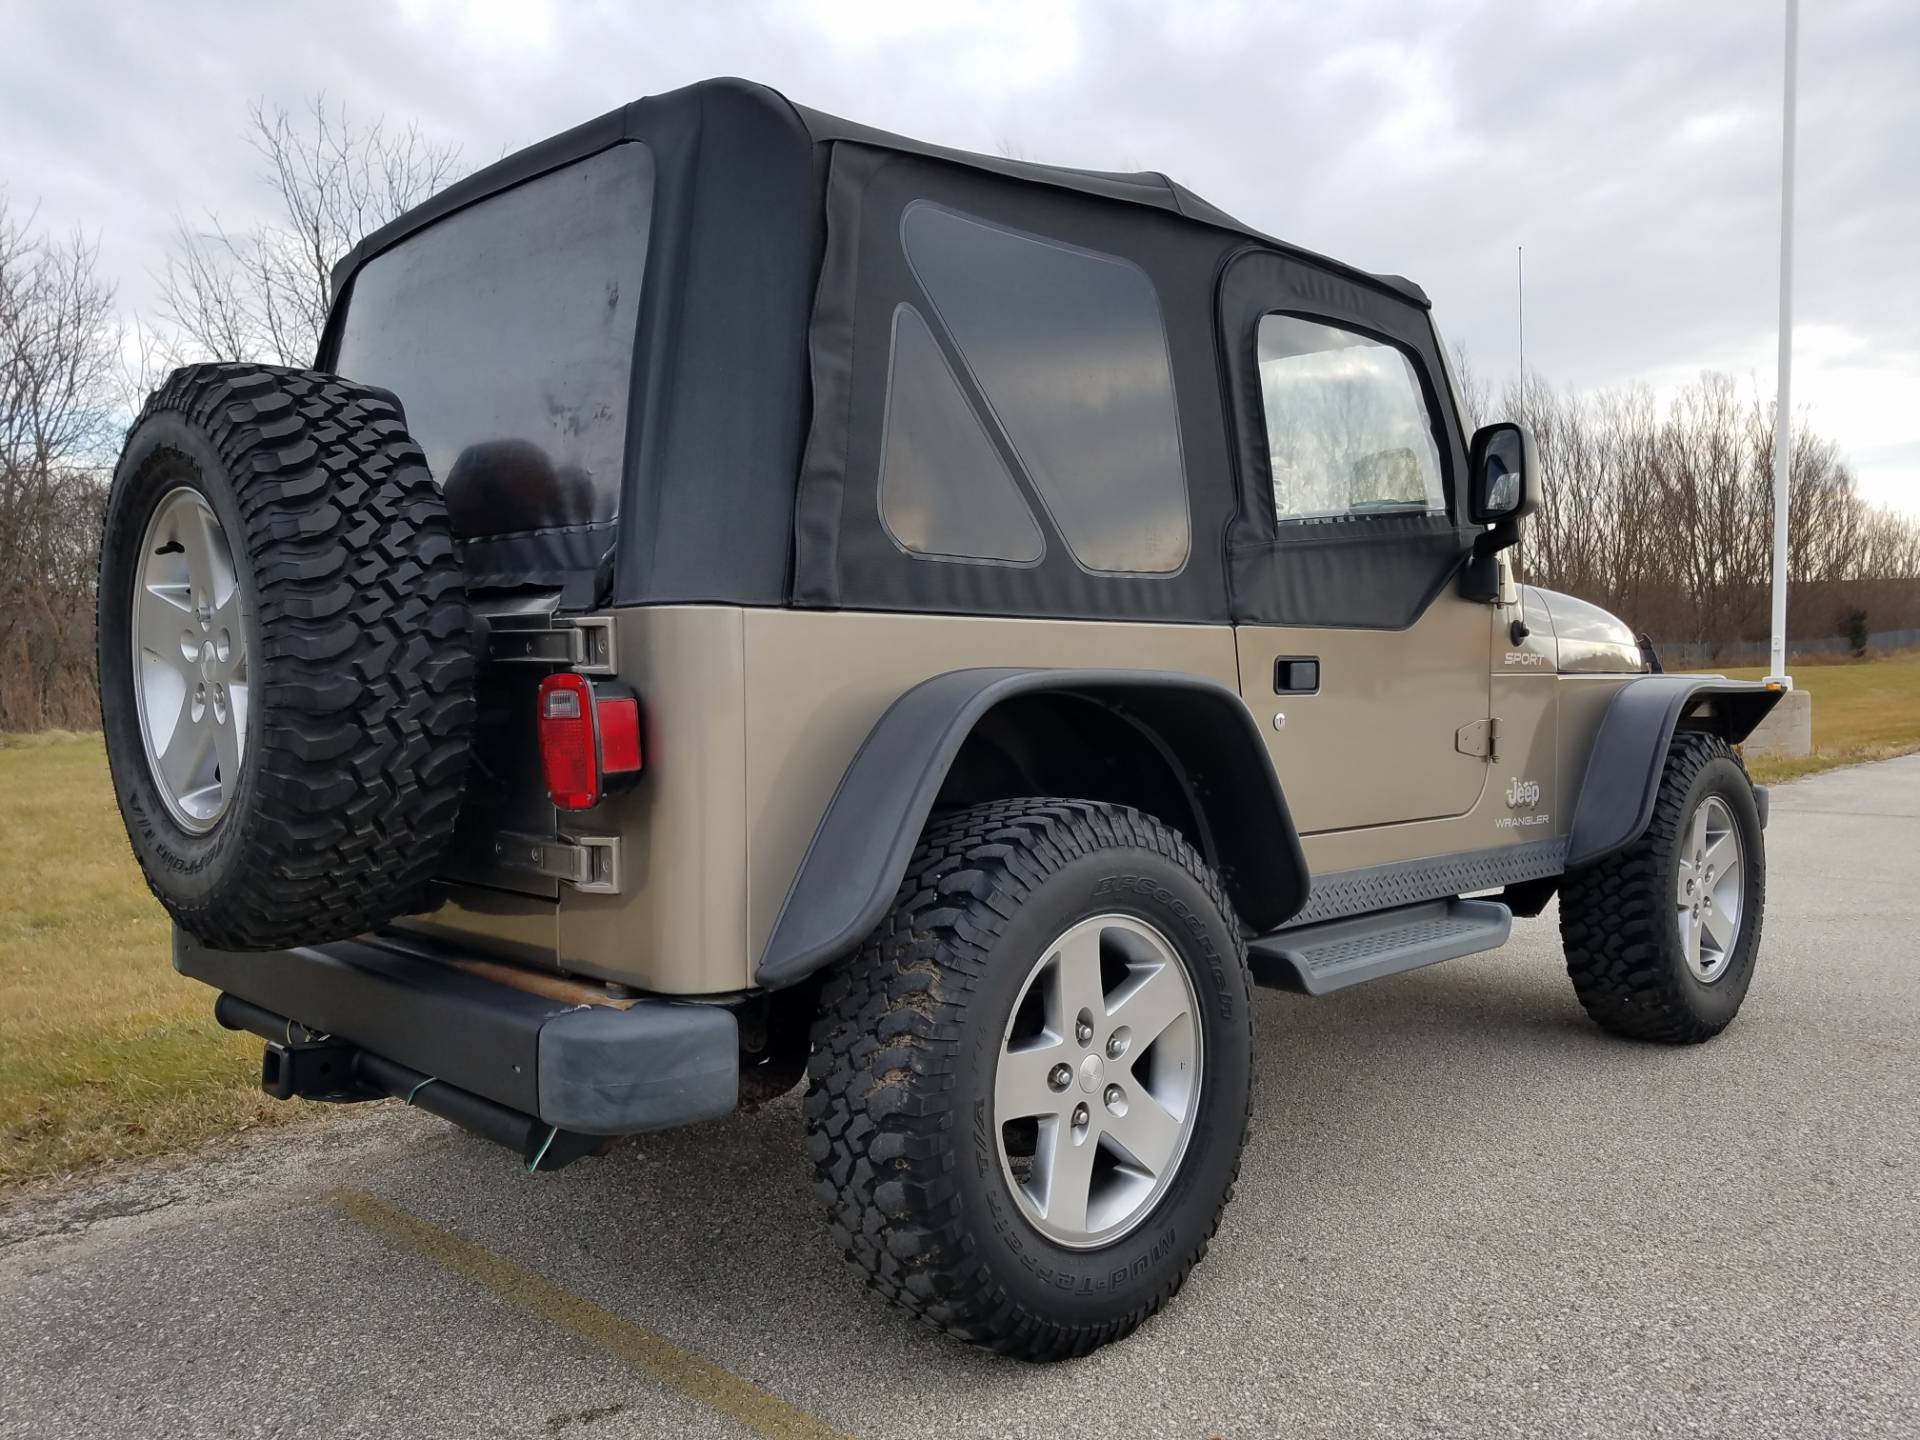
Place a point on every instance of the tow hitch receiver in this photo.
(313, 1070)
(322, 1068)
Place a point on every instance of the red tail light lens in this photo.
(567, 757)
(586, 736)
(619, 717)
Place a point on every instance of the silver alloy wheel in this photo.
(1709, 890)
(1106, 1084)
(190, 659)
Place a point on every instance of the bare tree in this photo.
(1474, 394)
(1664, 515)
(59, 348)
(70, 377)
(263, 294)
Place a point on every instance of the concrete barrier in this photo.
(1787, 732)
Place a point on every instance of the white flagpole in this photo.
(1783, 405)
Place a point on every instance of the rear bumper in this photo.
(585, 1069)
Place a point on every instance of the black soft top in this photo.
(749, 106)
(775, 268)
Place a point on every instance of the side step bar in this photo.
(1316, 959)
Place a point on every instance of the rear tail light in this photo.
(588, 735)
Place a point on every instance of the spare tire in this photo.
(285, 656)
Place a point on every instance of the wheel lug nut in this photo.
(1083, 1032)
(1080, 1116)
(1060, 1077)
(1114, 1046)
(1113, 1095)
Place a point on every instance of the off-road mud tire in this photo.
(1617, 916)
(359, 649)
(899, 1103)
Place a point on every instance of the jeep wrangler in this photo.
(743, 598)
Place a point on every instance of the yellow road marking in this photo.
(741, 1400)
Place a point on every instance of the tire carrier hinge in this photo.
(589, 863)
(531, 634)
(583, 643)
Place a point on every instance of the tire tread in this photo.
(365, 671)
(883, 1134)
(1617, 917)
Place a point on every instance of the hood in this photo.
(1590, 640)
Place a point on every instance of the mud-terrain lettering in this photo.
(1196, 925)
(1091, 1283)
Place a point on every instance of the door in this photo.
(1368, 667)
(1373, 727)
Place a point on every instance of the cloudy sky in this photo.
(1633, 150)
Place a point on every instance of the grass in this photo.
(1862, 710)
(105, 1053)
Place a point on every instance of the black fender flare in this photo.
(1617, 792)
(863, 843)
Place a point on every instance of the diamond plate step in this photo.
(1316, 959)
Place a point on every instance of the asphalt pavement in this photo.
(1463, 1211)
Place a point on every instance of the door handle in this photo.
(1296, 675)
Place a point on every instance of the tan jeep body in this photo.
(893, 480)
(753, 716)
(743, 598)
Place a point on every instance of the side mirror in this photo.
(1503, 475)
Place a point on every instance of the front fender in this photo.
(1622, 779)
(863, 843)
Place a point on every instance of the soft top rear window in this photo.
(507, 331)
(1069, 349)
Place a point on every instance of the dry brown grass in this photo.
(105, 1053)
(1862, 710)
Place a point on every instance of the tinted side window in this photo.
(1070, 350)
(944, 490)
(1348, 428)
(507, 331)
